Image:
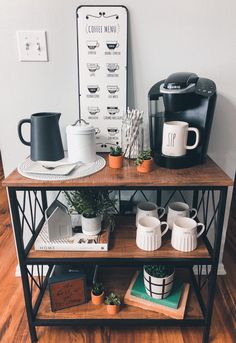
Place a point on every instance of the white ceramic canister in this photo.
(81, 142)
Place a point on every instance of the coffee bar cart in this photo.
(206, 185)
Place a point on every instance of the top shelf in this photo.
(208, 174)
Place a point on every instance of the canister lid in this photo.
(81, 128)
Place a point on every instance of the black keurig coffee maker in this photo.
(180, 124)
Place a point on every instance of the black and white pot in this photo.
(91, 226)
(158, 288)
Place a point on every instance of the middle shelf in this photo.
(123, 249)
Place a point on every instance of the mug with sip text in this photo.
(175, 136)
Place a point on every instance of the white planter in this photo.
(158, 288)
(75, 219)
(91, 226)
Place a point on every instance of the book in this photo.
(77, 242)
(176, 313)
(138, 290)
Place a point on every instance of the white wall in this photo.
(165, 37)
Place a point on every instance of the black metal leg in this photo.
(44, 199)
(21, 257)
(214, 268)
(195, 198)
(158, 198)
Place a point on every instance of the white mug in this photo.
(184, 234)
(179, 209)
(147, 208)
(149, 234)
(175, 136)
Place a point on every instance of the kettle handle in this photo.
(21, 122)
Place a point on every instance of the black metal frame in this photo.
(203, 198)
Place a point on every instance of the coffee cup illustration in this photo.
(113, 109)
(93, 89)
(92, 44)
(112, 131)
(113, 89)
(112, 44)
(93, 110)
(92, 67)
(112, 67)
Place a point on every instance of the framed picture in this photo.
(67, 288)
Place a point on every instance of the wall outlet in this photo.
(32, 46)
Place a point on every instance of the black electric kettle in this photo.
(45, 136)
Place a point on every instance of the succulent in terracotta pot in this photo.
(116, 157)
(113, 303)
(144, 161)
(97, 293)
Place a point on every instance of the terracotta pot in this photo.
(146, 166)
(116, 162)
(113, 309)
(97, 299)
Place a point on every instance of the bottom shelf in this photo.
(117, 280)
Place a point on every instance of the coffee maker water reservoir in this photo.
(186, 98)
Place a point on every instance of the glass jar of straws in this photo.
(132, 133)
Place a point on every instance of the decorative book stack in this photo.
(76, 242)
(173, 306)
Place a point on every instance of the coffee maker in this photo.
(181, 97)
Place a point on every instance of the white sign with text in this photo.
(102, 68)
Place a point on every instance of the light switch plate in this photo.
(32, 46)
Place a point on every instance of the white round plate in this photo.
(77, 172)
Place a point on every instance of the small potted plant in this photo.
(116, 157)
(97, 293)
(158, 280)
(144, 161)
(113, 303)
(94, 205)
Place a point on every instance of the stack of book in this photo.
(173, 306)
(76, 242)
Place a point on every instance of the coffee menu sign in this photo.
(102, 68)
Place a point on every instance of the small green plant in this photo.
(92, 203)
(144, 155)
(115, 151)
(159, 271)
(98, 288)
(112, 299)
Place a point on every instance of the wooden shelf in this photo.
(207, 174)
(123, 247)
(117, 280)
